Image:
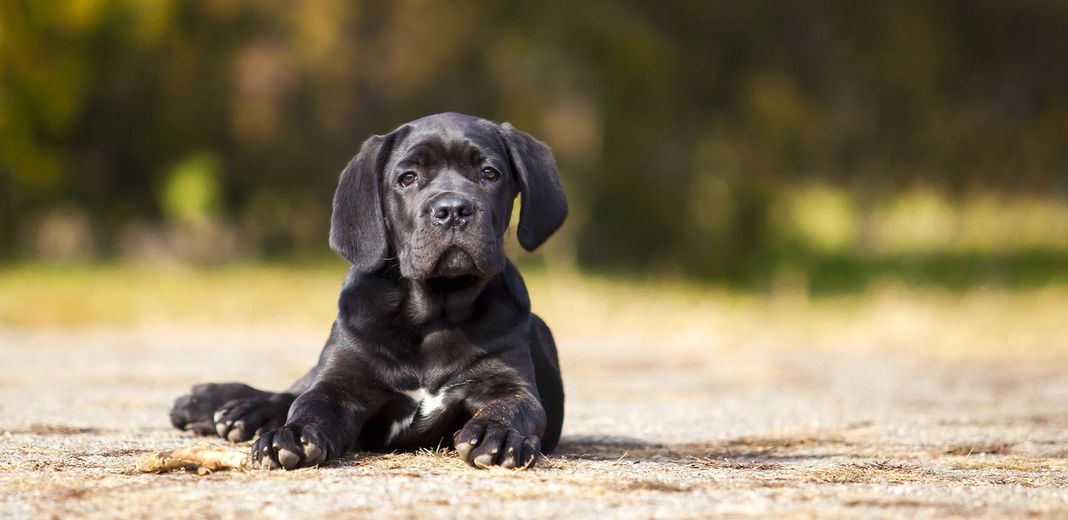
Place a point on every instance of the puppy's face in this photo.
(436, 195)
(447, 192)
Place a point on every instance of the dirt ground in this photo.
(897, 407)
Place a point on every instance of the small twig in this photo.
(202, 458)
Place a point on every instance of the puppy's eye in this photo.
(490, 174)
(406, 178)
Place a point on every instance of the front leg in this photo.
(505, 429)
(323, 424)
(233, 411)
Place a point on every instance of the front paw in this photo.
(483, 444)
(290, 447)
(194, 410)
(240, 420)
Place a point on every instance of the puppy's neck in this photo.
(382, 302)
(453, 301)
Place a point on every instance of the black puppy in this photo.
(434, 343)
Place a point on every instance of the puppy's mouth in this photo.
(444, 285)
(455, 271)
(455, 263)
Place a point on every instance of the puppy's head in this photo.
(437, 194)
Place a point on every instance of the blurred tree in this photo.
(678, 125)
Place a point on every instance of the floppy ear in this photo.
(357, 227)
(544, 203)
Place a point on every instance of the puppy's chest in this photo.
(429, 387)
(420, 411)
(424, 405)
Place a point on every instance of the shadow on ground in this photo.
(752, 449)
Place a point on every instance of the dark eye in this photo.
(490, 174)
(406, 178)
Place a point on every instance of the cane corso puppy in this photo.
(434, 343)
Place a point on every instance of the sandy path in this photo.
(669, 430)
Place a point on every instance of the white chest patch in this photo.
(426, 404)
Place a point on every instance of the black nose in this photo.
(451, 210)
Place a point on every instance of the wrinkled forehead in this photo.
(466, 140)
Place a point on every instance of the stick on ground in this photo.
(202, 458)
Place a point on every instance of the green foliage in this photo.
(191, 189)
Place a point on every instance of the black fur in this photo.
(434, 343)
(357, 227)
(544, 205)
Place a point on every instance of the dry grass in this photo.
(982, 324)
(882, 472)
(982, 450)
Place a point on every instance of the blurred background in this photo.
(817, 250)
(759, 146)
